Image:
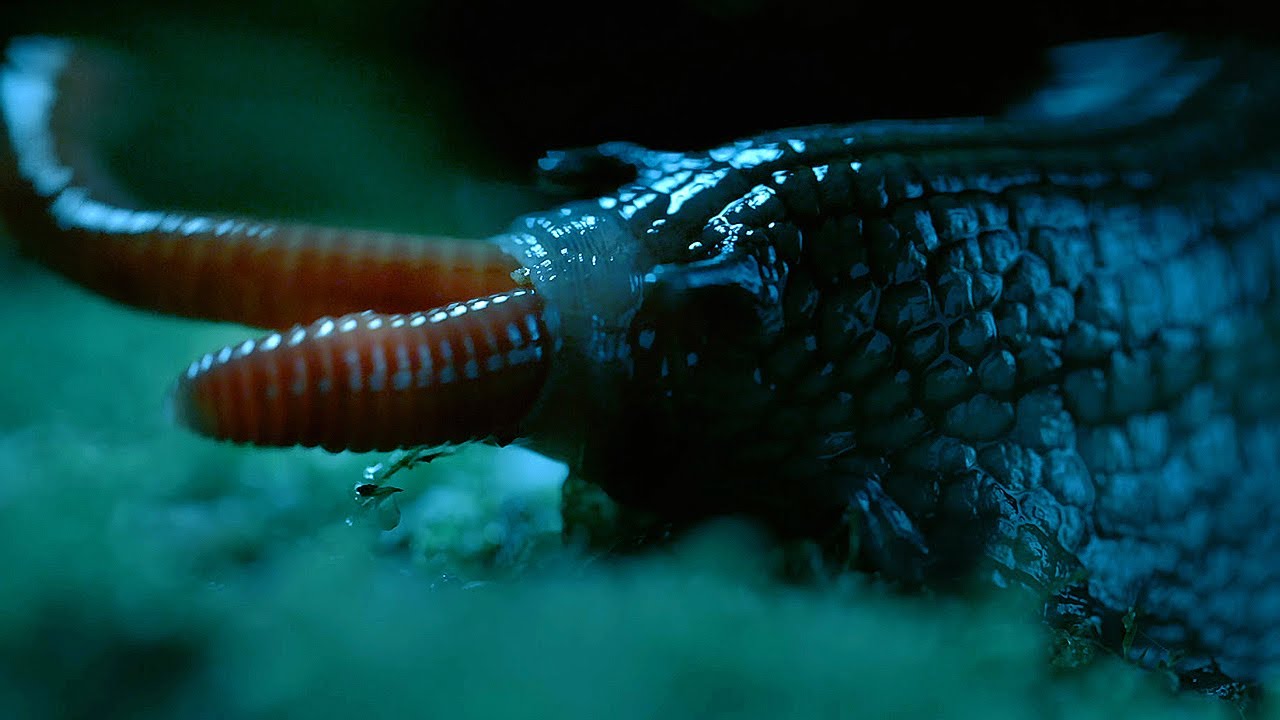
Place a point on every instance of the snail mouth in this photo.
(399, 359)
(372, 381)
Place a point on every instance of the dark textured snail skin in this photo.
(1041, 347)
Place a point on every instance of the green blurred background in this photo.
(148, 573)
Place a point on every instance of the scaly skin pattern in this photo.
(1040, 348)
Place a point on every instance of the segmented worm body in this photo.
(1039, 347)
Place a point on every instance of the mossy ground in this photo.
(149, 573)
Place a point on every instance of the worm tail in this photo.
(373, 381)
(66, 214)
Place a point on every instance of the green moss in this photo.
(159, 573)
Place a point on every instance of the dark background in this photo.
(532, 75)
